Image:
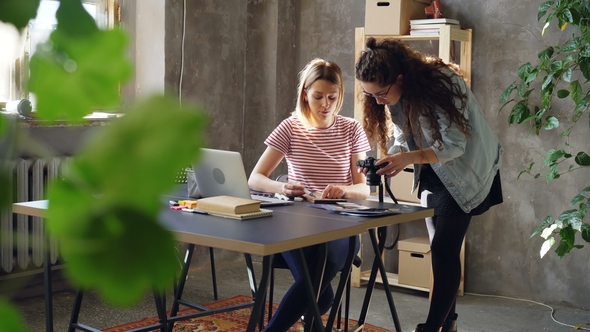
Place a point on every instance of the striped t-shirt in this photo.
(319, 157)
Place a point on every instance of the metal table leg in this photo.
(378, 266)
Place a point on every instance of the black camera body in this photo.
(373, 179)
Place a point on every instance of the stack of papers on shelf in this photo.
(431, 27)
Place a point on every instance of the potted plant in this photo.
(560, 77)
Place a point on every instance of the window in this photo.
(17, 48)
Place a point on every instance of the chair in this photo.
(278, 262)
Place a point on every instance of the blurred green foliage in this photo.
(79, 68)
(104, 210)
(10, 320)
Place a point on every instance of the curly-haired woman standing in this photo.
(438, 126)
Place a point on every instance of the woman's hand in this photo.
(333, 191)
(393, 164)
(293, 189)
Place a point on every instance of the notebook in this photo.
(240, 216)
(220, 172)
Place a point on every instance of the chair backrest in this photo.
(282, 178)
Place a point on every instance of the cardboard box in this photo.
(401, 187)
(392, 17)
(414, 262)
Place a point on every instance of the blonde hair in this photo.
(317, 69)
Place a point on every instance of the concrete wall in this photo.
(241, 61)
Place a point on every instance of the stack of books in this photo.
(431, 26)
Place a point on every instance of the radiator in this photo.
(22, 241)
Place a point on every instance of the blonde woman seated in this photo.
(321, 149)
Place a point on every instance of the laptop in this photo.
(220, 172)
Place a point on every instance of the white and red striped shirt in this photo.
(319, 157)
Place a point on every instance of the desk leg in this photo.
(160, 299)
(313, 288)
(76, 311)
(378, 266)
(181, 282)
(344, 277)
(260, 296)
(253, 289)
(48, 286)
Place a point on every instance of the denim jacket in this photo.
(466, 166)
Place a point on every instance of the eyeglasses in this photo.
(380, 95)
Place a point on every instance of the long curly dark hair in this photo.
(425, 86)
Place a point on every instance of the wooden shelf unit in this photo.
(446, 36)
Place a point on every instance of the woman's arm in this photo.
(397, 162)
(358, 189)
(259, 178)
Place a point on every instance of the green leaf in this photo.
(582, 159)
(563, 248)
(547, 246)
(576, 223)
(546, 54)
(565, 215)
(576, 91)
(18, 12)
(567, 75)
(532, 76)
(5, 185)
(585, 51)
(524, 70)
(74, 21)
(585, 33)
(563, 93)
(10, 319)
(553, 173)
(567, 16)
(568, 234)
(582, 104)
(571, 47)
(551, 123)
(555, 67)
(104, 211)
(577, 199)
(519, 112)
(546, 81)
(546, 94)
(584, 64)
(543, 9)
(72, 77)
(553, 155)
(586, 232)
(507, 92)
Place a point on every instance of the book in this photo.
(424, 32)
(431, 26)
(242, 216)
(228, 204)
(434, 21)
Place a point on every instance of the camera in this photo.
(373, 179)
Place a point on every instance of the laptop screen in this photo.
(220, 172)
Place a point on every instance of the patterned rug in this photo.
(233, 321)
